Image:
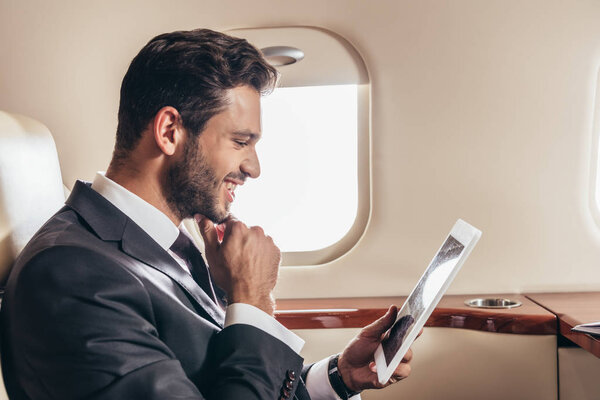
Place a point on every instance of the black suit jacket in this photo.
(96, 309)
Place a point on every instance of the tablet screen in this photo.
(422, 296)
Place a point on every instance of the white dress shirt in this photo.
(160, 228)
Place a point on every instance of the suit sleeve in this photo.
(93, 319)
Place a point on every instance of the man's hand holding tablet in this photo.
(356, 365)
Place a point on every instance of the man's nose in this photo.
(251, 166)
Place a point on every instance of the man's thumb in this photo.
(378, 328)
(208, 231)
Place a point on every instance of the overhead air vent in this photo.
(282, 55)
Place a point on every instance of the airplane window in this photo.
(314, 193)
(307, 195)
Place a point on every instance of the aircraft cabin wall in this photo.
(481, 110)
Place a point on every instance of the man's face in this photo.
(204, 179)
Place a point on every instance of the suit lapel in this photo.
(110, 224)
(139, 245)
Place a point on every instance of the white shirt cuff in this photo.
(241, 313)
(317, 383)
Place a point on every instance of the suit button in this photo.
(291, 375)
(282, 398)
(285, 393)
(289, 385)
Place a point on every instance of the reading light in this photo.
(282, 55)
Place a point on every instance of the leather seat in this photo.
(31, 187)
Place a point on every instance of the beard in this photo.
(192, 186)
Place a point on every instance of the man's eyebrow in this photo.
(246, 134)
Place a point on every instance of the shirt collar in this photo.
(156, 224)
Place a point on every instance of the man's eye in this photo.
(241, 143)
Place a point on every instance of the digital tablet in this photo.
(425, 296)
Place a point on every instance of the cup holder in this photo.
(492, 303)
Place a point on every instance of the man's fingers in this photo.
(373, 367)
(377, 328)
(403, 371)
(220, 229)
(208, 231)
(408, 356)
(227, 226)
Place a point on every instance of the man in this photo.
(111, 300)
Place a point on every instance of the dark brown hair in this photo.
(190, 71)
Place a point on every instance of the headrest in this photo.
(31, 188)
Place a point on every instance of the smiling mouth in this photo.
(230, 190)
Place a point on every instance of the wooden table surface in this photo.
(573, 309)
(451, 312)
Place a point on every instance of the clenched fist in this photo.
(245, 263)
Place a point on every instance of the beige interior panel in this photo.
(578, 374)
(460, 364)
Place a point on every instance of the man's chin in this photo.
(215, 216)
(223, 217)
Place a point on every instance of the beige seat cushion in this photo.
(31, 188)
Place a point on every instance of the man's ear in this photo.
(168, 130)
